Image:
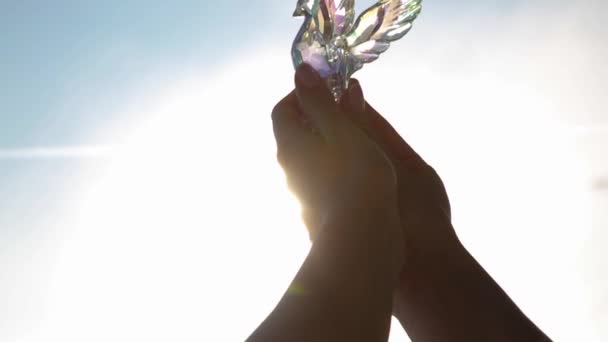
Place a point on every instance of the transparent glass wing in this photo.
(330, 42)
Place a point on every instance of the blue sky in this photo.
(79, 59)
(67, 67)
(92, 73)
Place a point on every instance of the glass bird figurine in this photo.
(336, 45)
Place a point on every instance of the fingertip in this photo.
(315, 101)
(311, 86)
(355, 101)
(307, 77)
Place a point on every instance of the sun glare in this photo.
(189, 233)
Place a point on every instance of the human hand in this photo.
(331, 164)
(443, 292)
(348, 191)
(424, 206)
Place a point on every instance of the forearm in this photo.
(445, 295)
(343, 291)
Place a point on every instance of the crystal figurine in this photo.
(336, 45)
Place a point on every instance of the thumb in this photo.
(354, 106)
(316, 102)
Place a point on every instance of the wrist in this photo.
(373, 228)
(429, 266)
(430, 255)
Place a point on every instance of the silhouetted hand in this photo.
(368, 198)
(424, 206)
(347, 186)
(331, 164)
(443, 293)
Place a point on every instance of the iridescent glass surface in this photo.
(336, 45)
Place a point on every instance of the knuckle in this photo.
(286, 159)
(282, 108)
(277, 111)
(283, 159)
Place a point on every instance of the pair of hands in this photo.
(380, 222)
(346, 159)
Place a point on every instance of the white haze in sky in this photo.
(56, 152)
(186, 231)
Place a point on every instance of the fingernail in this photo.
(307, 76)
(355, 96)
